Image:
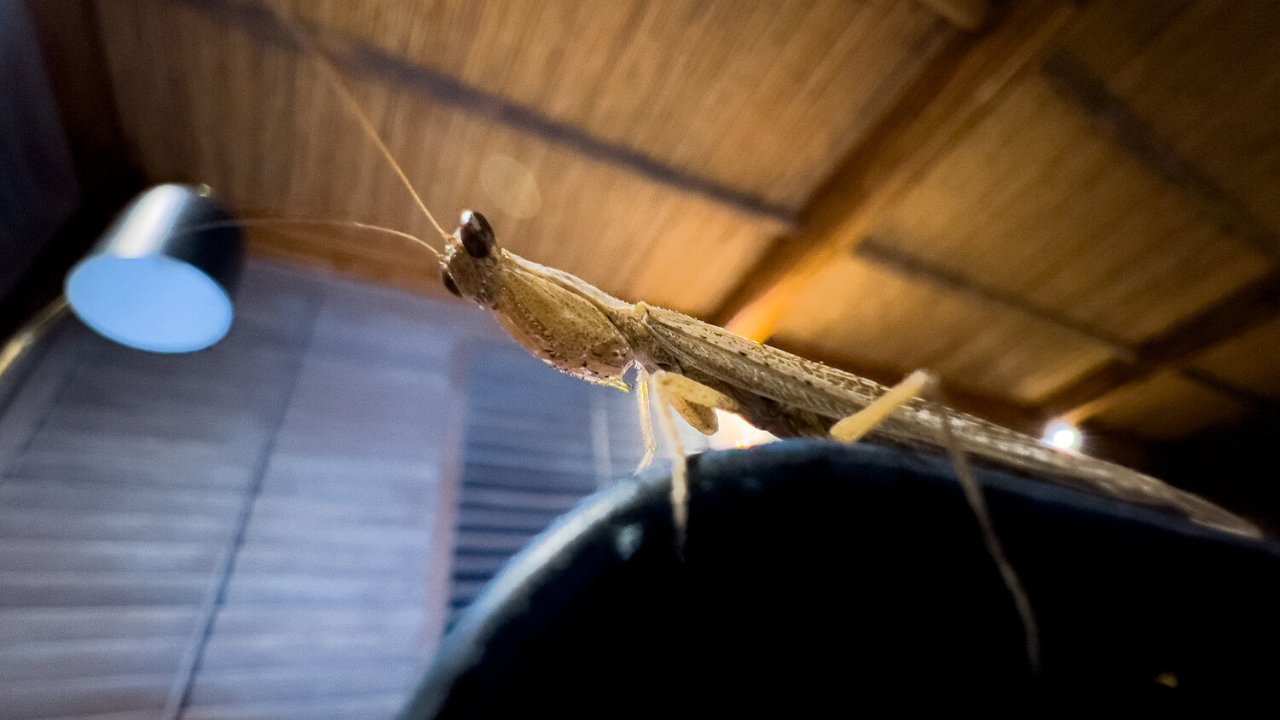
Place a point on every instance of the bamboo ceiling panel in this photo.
(765, 97)
(202, 102)
(1169, 407)
(1251, 361)
(1205, 77)
(1037, 203)
(854, 310)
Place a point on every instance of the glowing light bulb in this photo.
(1063, 435)
(735, 432)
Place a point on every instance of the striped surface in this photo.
(529, 458)
(277, 527)
(247, 532)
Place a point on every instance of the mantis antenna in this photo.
(309, 44)
(267, 221)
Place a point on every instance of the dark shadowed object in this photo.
(164, 273)
(824, 580)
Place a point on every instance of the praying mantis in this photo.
(695, 368)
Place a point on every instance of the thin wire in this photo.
(354, 108)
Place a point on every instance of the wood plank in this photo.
(304, 621)
(904, 264)
(33, 589)
(26, 523)
(124, 715)
(1079, 84)
(368, 706)
(830, 57)
(284, 650)
(84, 696)
(904, 325)
(1247, 308)
(964, 14)
(301, 685)
(515, 519)
(1154, 409)
(1204, 77)
(300, 558)
(70, 494)
(325, 579)
(108, 555)
(69, 659)
(164, 472)
(83, 623)
(967, 78)
(24, 407)
(1250, 360)
(370, 591)
(328, 536)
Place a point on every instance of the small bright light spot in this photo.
(735, 432)
(1064, 436)
(510, 186)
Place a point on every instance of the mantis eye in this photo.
(476, 235)
(449, 284)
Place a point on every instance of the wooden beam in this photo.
(359, 57)
(904, 265)
(964, 14)
(1238, 312)
(1072, 80)
(1242, 310)
(966, 79)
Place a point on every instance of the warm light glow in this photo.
(510, 186)
(1063, 435)
(735, 432)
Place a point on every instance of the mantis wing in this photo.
(810, 396)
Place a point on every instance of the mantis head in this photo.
(471, 258)
(557, 317)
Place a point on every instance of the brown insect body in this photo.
(585, 332)
(555, 316)
(590, 334)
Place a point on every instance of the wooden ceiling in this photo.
(1070, 209)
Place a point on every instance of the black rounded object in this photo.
(820, 579)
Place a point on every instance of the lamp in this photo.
(162, 276)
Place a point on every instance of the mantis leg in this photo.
(917, 384)
(852, 428)
(695, 402)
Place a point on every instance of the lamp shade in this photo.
(163, 275)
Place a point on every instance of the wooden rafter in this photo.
(1076, 83)
(966, 79)
(905, 265)
(1255, 304)
(1246, 308)
(1242, 310)
(964, 14)
(362, 58)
